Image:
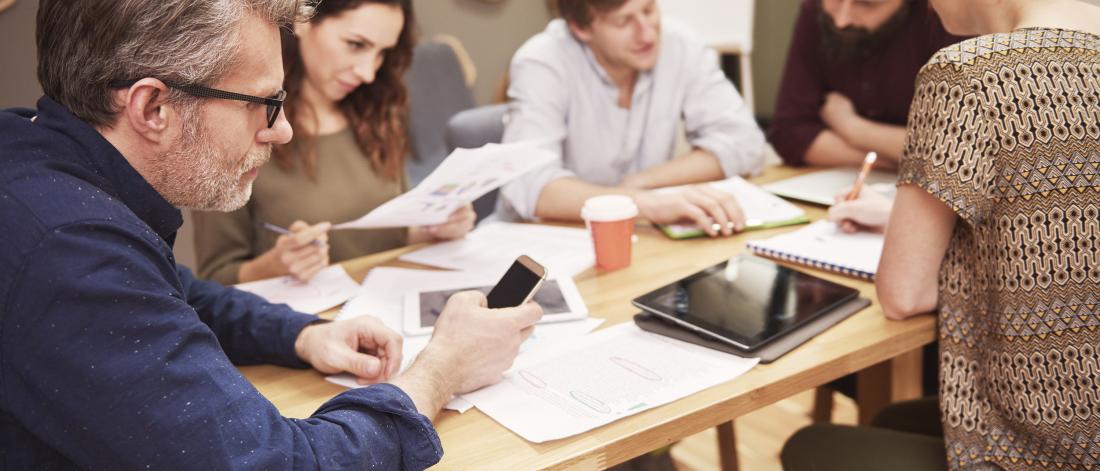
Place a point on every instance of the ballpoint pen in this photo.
(280, 230)
(863, 172)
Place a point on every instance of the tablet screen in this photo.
(747, 300)
(549, 296)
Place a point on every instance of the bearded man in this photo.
(849, 79)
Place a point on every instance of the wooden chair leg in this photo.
(727, 447)
(822, 412)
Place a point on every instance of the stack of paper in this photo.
(382, 296)
(493, 247)
(573, 387)
(328, 288)
(461, 178)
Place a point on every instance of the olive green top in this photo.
(345, 188)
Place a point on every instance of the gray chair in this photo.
(474, 128)
(438, 89)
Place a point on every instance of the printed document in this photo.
(461, 178)
(493, 247)
(328, 288)
(573, 387)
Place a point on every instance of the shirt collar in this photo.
(118, 177)
(645, 78)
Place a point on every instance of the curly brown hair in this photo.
(378, 113)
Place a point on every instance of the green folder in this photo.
(679, 232)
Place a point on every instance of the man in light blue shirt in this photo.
(608, 88)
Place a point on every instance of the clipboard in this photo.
(769, 352)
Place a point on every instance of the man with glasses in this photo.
(111, 355)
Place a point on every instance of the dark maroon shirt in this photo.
(880, 86)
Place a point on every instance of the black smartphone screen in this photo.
(513, 288)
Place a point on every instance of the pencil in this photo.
(280, 230)
(868, 162)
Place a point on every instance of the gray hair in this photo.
(83, 45)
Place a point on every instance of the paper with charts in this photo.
(577, 386)
(328, 288)
(461, 178)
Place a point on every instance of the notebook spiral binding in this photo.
(811, 263)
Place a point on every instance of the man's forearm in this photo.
(695, 166)
(829, 149)
(563, 198)
(886, 139)
(428, 383)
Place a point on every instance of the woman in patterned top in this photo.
(996, 225)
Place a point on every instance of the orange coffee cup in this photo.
(610, 219)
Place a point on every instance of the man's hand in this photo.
(471, 347)
(840, 115)
(707, 207)
(361, 346)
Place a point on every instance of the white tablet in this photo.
(558, 297)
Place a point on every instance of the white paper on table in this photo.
(564, 251)
(329, 287)
(545, 336)
(614, 373)
(461, 178)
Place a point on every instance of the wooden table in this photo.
(885, 353)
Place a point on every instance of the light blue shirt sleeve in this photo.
(717, 119)
(538, 110)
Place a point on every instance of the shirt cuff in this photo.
(420, 445)
(290, 328)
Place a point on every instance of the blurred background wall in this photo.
(490, 30)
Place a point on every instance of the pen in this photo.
(273, 228)
(863, 172)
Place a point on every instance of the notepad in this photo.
(824, 246)
(763, 210)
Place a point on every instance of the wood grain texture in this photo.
(474, 441)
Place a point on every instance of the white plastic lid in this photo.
(609, 208)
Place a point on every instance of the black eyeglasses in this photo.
(274, 105)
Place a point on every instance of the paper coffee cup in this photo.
(610, 219)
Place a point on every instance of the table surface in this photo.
(474, 441)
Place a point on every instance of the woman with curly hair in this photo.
(348, 105)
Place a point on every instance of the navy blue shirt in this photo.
(114, 357)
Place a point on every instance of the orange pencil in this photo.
(868, 162)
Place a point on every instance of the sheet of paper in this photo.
(461, 178)
(545, 336)
(821, 187)
(493, 247)
(761, 208)
(824, 243)
(328, 288)
(577, 386)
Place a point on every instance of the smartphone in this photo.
(518, 284)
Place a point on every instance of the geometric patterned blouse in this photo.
(1005, 130)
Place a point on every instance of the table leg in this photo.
(894, 380)
(727, 447)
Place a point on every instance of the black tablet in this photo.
(746, 301)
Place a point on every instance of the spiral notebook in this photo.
(824, 246)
